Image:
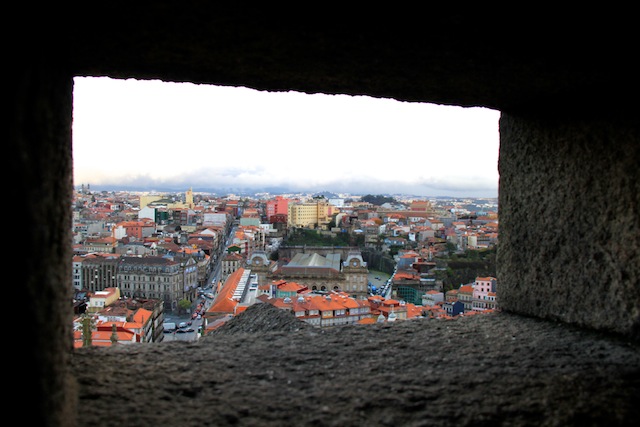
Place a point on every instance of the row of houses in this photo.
(110, 318)
(336, 307)
(479, 296)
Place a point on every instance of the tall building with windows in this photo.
(150, 277)
(314, 213)
(276, 208)
(96, 272)
(484, 293)
(159, 278)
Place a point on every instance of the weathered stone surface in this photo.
(569, 222)
(494, 369)
(529, 66)
(261, 317)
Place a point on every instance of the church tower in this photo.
(189, 198)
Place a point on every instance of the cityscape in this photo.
(155, 266)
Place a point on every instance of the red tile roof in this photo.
(224, 303)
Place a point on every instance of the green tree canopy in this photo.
(184, 304)
(378, 200)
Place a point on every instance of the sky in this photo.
(153, 135)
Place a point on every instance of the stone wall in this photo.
(569, 221)
(568, 203)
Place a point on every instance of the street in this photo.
(190, 333)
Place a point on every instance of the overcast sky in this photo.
(156, 135)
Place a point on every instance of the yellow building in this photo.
(314, 213)
(146, 200)
(101, 299)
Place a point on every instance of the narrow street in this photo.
(191, 331)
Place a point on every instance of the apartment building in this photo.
(315, 213)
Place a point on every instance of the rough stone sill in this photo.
(493, 369)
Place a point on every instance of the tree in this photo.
(184, 305)
(88, 325)
(378, 200)
(357, 239)
(465, 267)
(380, 241)
(114, 333)
(333, 222)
